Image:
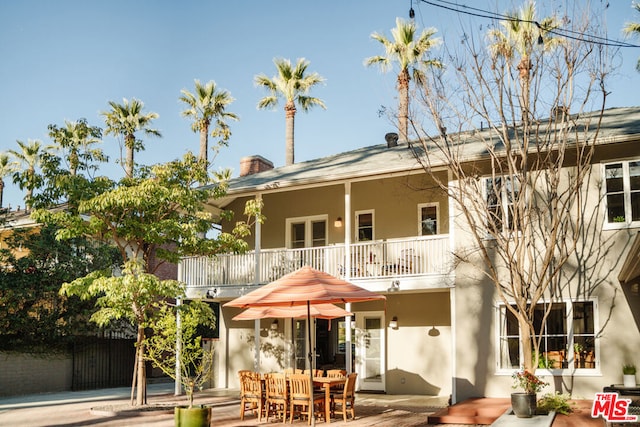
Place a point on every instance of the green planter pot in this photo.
(523, 404)
(197, 416)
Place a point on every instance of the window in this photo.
(428, 219)
(501, 192)
(364, 226)
(307, 232)
(568, 337)
(622, 191)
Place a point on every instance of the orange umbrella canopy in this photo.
(322, 311)
(304, 286)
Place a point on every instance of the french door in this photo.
(370, 350)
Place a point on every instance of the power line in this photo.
(561, 32)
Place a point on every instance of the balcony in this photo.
(379, 260)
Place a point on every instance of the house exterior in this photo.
(375, 217)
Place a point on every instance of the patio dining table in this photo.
(327, 383)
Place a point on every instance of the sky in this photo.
(66, 59)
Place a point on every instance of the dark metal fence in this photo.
(102, 363)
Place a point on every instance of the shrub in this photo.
(555, 402)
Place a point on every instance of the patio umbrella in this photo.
(304, 287)
(320, 311)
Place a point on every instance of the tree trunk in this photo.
(403, 109)
(141, 374)
(129, 142)
(204, 143)
(289, 114)
(1, 191)
(527, 348)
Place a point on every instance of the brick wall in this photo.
(22, 373)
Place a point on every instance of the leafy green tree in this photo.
(158, 215)
(29, 156)
(293, 85)
(194, 360)
(410, 52)
(134, 296)
(7, 168)
(204, 106)
(125, 120)
(633, 29)
(34, 316)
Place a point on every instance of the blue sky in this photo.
(65, 59)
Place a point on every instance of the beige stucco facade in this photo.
(448, 315)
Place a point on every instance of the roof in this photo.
(618, 125)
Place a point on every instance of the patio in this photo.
(75, 409)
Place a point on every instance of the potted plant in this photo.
(195, 361)
(524, 403)
(629, 375)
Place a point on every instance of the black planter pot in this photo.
(523, 404)
(197, 416)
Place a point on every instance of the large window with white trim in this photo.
(568, 336)
(307, 237)
(622, 193)
(307, 232)
(501, 194)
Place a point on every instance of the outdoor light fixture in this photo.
(274, 325)
(338, 222)
(393, 324)
(395, 286)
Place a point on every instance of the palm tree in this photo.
(125, 120)
(29, 156)
(409, 50)
(520, 36)
(7, 167)
(205, 105)
(633, 28)
(77, 138)
(293, 85)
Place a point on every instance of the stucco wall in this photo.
(591, 273)
(22, 373)
(393, 200)
(419, 350)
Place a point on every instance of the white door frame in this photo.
(364, 383)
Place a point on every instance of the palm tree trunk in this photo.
(129, 142)
(403, 109)
(204, 143)
(1, 191)
(289, 114)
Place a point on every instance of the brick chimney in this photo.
(254, 164)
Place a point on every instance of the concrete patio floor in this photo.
(103, 408)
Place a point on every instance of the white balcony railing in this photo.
(373, 259)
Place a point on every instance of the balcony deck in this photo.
(379, 260)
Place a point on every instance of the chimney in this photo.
(254, 164)
(392, 139)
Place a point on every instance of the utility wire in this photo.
(566, 33)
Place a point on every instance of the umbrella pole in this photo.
(311, 351)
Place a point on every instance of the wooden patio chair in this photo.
(344, 401)
(337, 373)
(299, 397)
(251, 393)
(277, 395)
